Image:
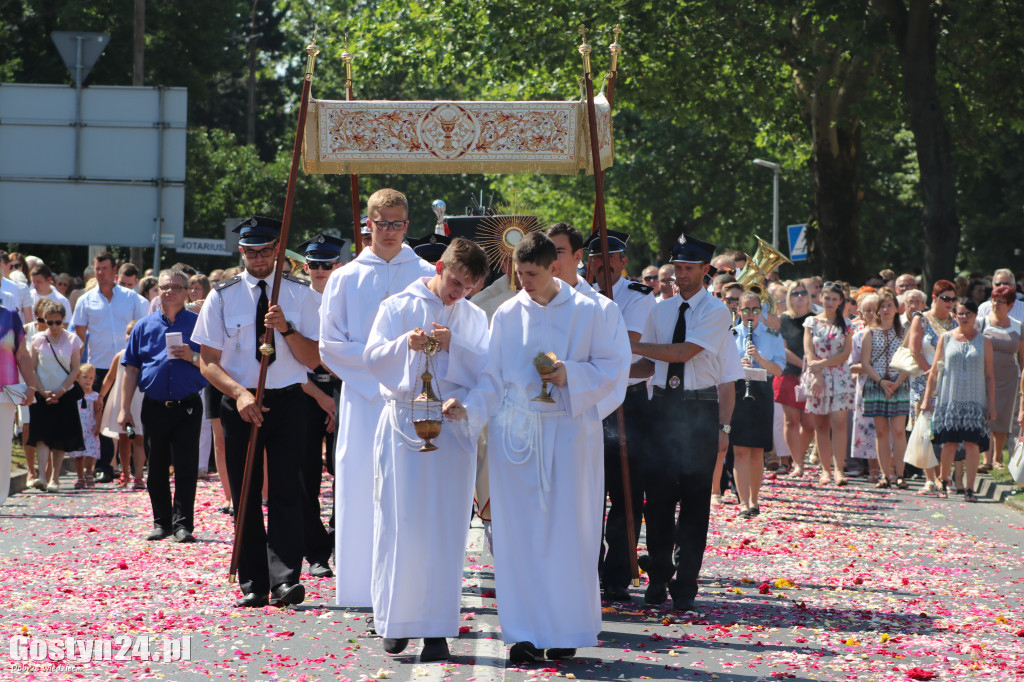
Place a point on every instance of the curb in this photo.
(986, 487)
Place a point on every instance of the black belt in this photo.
(710, 393)
(173, 403)
(636, 388)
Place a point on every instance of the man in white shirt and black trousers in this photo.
(689, 339)
(232, 325)
(635, 302)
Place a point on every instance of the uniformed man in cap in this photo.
(323, 256)
(695, 362)
(231, 328)
(635, 301)
(431, 247)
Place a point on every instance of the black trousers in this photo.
(614, 563)
(171, 436)
(106, 444)
(319, 542)
(273, 555)
(679, 470)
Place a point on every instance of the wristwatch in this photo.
(725, 428)
(195, 358)
(291, 330)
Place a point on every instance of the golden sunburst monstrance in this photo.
(498, 234)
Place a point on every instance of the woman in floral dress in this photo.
(862, 445)
(827, 344)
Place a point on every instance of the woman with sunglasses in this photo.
(964, 395)
(1004, 333)
(56, 427)
(753, 418)
(886, 398)
(799, 428)
(922, 338)
(827, 344)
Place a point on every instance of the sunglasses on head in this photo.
(321, 265)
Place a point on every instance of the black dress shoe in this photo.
(657, 593)
(226, 509)
(560, 654)
(287, 594)
(395, 646)
(617, 594)
(158, 533)
(320, 569)
(525, 652)
(183, 535)
(434, 649)
(252, 601)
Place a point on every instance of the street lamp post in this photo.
(775, 198)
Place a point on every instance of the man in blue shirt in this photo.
(172, 411)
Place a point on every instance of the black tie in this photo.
(678, 369)
(261, 313)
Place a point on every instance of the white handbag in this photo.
(919, 443)
(1016, 466)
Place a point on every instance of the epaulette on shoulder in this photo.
(642, 288)
(298, 280)
(228, 282)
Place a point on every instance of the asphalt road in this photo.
(827, 584)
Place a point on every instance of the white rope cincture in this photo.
(533, 441)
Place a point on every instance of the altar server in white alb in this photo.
(422, 500)
(350, 304)
(547, 490)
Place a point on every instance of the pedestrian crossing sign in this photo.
(797, 242)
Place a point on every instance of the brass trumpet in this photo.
(755, 273)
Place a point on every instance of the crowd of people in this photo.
(700, 374)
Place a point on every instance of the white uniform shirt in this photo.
(616, 328)
(708, 326)
(107, 321)
(635, 306)
(227, 322)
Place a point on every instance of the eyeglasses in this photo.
(751, 311)
(51, 323)
(731, 300)
(261, 253)
(651, 278)
(321, 265)
(726, 271)
(998, 301)
(946, 299)
(15, 266)
(394, 225)
(799, 293)
(168, 288)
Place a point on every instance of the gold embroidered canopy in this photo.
(367, 136)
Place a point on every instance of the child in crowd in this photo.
(129, 450)
(89, 412)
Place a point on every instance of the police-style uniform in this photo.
(753, 420)
(271, 558)
(321, 248)
(635, 302)
(684, 447)
(430, 247)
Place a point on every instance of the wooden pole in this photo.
(347, 57)
(251, 456)
(601, 225)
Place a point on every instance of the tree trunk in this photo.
(835, 239)
(916, 33)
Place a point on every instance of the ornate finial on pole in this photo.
(347, 57)
(584, 49)
(615, 49)
(312, 50)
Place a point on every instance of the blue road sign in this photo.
(797, 242)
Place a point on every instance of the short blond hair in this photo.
(386, 198)
(86, 367)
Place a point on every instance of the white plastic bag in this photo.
(1017, 460)
(919, 443)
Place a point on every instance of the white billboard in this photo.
(117, 177)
